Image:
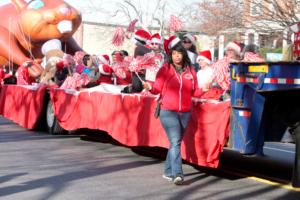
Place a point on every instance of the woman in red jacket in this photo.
(176, 83)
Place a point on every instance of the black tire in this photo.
(52, 124)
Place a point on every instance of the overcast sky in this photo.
(102, 10)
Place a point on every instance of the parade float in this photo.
(129, 118)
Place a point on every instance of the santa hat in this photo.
(104, 59)
(205, 55)
(53, 44)
(156, 38)
(191, 38)
(142, 35)
(234, 46)
(170, 43)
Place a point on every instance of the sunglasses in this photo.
(155, 44)
(186, 41)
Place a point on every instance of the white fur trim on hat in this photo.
(173, 42)
(51, 45)
(234, 46)
(191, 38)
(140, 38)
(203, 58)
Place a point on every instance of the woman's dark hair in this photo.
(85, 58)
(185, 58)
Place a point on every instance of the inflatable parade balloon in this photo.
(26, 25)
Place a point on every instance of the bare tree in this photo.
(219, 15)
(271, 15)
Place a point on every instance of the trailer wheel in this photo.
(52, 124)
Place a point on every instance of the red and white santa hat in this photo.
(104, 59)
(205, 55)
(142, 35)
(191, 38)
(234, 46)
(155, 38)
(170, 43)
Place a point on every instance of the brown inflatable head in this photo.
(46, 19)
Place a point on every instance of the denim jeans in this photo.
(174, 124)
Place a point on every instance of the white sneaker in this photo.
(169, 178)
(178, 180)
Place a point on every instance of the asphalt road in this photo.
(35, 165)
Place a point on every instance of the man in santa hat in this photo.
(156, 47)
(141, 39)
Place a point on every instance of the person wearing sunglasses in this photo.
(189, 43)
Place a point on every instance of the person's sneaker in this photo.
(169, 178)
(178, 180)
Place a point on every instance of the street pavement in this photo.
(38, 166)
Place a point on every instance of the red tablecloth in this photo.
(22, 104)
(129, 119)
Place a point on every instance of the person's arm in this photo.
(157, 86)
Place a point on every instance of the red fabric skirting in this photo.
(129, 119)
(21, 104)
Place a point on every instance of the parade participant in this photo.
(23, 77)
(176, 82)
(250, 54)
(52, 55)
(90, 69)
(116, 57)
(121, 76)
(156, 47)
(79, 63)
(189, 43)
(233, 51)
(104, 69)
(221, 72)
(140, 38)
(205, 74)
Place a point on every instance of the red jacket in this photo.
(176, 90)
